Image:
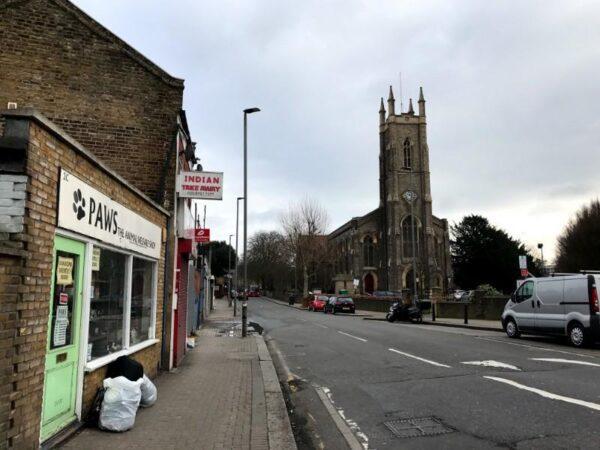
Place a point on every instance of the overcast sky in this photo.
(512, 90)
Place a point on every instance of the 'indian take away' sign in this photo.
(201, 185)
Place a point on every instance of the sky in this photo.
(512, 94)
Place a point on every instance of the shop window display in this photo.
(142, 297)
(107, 300)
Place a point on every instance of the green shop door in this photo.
(64, 329)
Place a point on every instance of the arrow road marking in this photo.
(408, 355)
(567, 361)
(491, 363)
(546, 394)
(354, 337)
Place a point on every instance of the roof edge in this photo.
(104, 32)
(34, 115)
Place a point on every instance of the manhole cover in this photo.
(416, 427)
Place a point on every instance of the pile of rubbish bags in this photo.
(125, 389)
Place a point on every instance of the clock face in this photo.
(409, 196)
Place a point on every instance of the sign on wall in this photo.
(202, 235)
(200, 185)
(85, 210)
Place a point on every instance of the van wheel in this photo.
(512, 331)
(577, 335)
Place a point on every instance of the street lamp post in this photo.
(541, 247)
(229, 271)
(245, 303)
(237, 283)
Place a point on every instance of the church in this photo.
(401, 245)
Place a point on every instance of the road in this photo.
(546, 395)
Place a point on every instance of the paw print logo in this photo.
(78, 204)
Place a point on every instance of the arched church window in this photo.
(368, 251)
(410, 236)
(407, 154)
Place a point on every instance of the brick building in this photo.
(81, 268)
(118, 104)
(401, 241)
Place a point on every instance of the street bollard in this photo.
(466, 313)
(433, 311)
(244, 319)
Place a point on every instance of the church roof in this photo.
(354, 222)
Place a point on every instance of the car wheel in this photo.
(577, 335)
(512, 331)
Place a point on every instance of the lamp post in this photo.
(245, 303)
(541, 247)
(229, 271)
(237, 284)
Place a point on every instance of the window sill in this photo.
(95, 364)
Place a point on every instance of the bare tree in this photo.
(305, 226)
(268, 260)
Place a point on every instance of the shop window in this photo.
(107, 303)
(142, 299)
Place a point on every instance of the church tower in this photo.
(415, 243)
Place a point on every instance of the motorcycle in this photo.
(401, 311)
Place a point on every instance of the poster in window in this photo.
(96, 259)
(64, 271)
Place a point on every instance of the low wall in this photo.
(484, 308)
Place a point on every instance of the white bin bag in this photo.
(149, 393)
(121, 401)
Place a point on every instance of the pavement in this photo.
(225, 395)
(402, 385)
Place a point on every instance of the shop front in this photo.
(91, 280)
(103, 295)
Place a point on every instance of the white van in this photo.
(565, 305)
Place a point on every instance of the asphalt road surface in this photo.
(434, 384)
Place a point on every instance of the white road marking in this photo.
(319, 325)
(536, 347)
(567, 361)
(350, 430)
(491, 363)
(546, 394)
(419, 358)
(354, 337)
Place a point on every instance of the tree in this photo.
(220, 257)
(269, 260)
(579, 243)
(305, 227)
(484, 254)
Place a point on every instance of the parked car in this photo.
(559, 305)
(317, 302)
(339, 304)
(253, 293)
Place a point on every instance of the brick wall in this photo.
(106, 95)
(26, 293)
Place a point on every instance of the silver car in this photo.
(565, 305)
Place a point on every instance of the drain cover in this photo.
(416, 427)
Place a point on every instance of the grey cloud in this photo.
(511, 90)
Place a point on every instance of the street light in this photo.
(229, 270)
(245, 303)
(237, 284)
(541, 247)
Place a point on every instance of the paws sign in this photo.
(87, 211)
